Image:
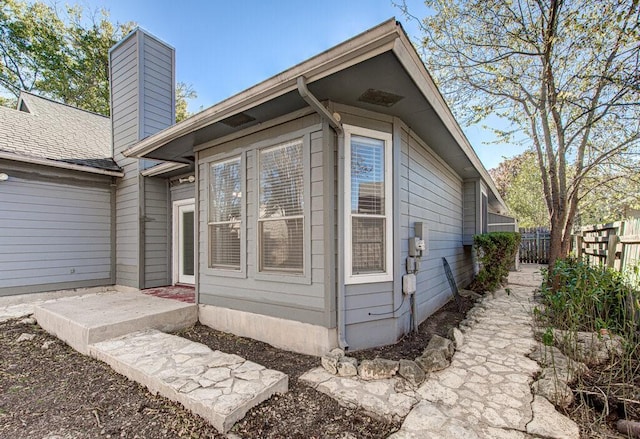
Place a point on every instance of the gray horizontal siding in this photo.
(158, 87)
(182, 191)
(156, 245)
(302, 301)
(432, 192)
(471, 211)
(53, 233)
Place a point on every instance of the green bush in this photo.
(585, 298)
(496, 252)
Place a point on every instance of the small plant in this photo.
(547, 337)
(496, 252)
(587, 298)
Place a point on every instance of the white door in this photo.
(184, 242)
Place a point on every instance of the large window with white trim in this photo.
(368, 206)
(225, 214)
(281, 209)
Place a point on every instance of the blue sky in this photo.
(224, 47)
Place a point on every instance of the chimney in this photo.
(142, 92)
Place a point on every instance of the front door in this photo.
(184, 241)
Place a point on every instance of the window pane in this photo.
(282, 245)
(281, 188)
(368, 245)
(188, 246)
(225, 214)
(281, 198)
(225, 194)
(225, 245)
(367, 175)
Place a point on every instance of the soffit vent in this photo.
(237, 120)
(379, 97)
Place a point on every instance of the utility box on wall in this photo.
(422, 231)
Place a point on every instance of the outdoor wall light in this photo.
(3, 176)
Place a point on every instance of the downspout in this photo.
(337, 126)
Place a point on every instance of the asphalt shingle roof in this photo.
(56, 131)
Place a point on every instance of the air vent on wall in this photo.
(237, 120)
(379, 97)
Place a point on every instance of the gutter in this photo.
(334, 121)
(58, 164)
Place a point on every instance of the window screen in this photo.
(281, 216)
(225, 214)
(368, 228)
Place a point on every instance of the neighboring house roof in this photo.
(55, 134)
(381, 62)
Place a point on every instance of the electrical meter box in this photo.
(421, 231)
(418, 245)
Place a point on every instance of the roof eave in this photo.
(352, 51)
(58, 164)
(389, 35)
(414, 66)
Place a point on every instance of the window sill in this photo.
(368, 278)
(225, 273)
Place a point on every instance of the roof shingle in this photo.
(56, 131)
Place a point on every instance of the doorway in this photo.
(184, 242)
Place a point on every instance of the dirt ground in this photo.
(48, 390)
(606, 394)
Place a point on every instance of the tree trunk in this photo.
(555, 244)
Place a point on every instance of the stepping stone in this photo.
(220, 387)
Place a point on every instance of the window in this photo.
(281, 210)
(368, 221)
(225, 214)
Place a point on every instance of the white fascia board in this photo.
(416, 69)
(359, 48)
(162, 168)
(58, 164)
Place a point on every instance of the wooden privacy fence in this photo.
(616, 245)
(534, 246)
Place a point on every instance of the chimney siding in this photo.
(142, 79)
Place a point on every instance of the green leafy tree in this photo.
(563, 72)
(184, 93)
(62, 55)
(605, 198)
(31, 43)
(519, 183)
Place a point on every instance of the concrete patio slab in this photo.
(219, 387)
(84, 320)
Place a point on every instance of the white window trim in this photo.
(177, 233)
(387, 276)
(217, 271)
(284, 276)
(483, 191)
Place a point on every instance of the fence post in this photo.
(578, 245)
(612, 246)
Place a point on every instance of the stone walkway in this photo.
(484, 393)
(219, 387)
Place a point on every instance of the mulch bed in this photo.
(59, 393)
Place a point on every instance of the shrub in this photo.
(586, 298)
(496, 252)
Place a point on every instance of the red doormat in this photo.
(176, 292)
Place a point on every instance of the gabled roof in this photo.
(55, 134)
(381, 60)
